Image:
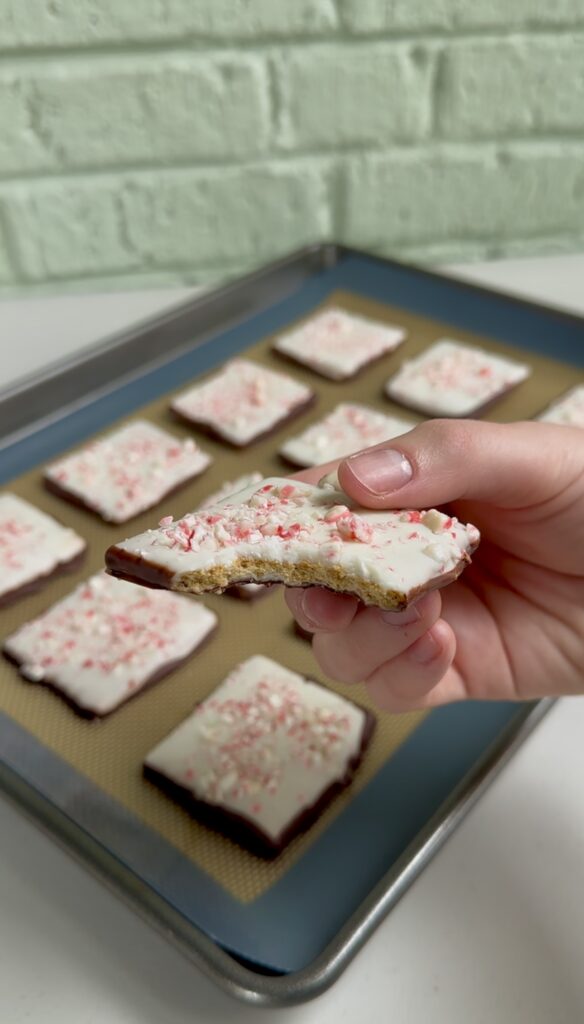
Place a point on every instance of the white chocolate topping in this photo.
(347, 429)
(107, 639)
(265, 745)
(567, 410)
(243, 401)
(288, 522)
(32, 544)
(452, 379)
(128, 471)
(337, 344)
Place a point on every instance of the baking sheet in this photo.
(109, 753)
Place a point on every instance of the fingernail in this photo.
(425, 649)
(404, 618)
(381, 471)
(305, 608)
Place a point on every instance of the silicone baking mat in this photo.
(281, 914)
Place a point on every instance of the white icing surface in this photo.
(243, 401)
(32, 543)
(347, 429)
(452, 379)
(106, 639)
(337, 344)
(289, 522)
(265, 745)
(567, 410)
(128, 471)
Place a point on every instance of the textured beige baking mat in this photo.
(110, 752)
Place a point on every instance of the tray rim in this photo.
(239, 980)
(243, 982)
(37, 389)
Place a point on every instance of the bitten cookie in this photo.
(338, 344)
(107, 640)
(294, 533)
(452, 379)
(34, 548)
(567, 410)
(345, 430)
(127, 471)
(243, 402)
(263, 755)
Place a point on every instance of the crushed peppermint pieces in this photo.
(127, 471)
(452, 379)
(242, 402)
(33, 546)
(264, 745)
(338, 344)
(107, 640)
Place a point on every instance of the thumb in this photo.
(510, 465)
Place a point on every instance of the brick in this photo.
(136, 110)
(463, 194)
(353, 95)
(61, 23)
(231, 216)
(442, 15)
(67, 229)
(510, 88)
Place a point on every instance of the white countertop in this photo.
(491, 932)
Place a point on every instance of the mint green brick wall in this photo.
(147, 141)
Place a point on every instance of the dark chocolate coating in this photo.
(33, 586)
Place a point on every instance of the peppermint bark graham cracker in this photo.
(452, 379)
(348, 428)
(290, 532)
(243, 402)
(263, 755)
(338, 344)
(34, 548)
(107, 641)
(127, 471)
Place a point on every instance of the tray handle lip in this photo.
(199, 301)
(238, 980)
(327, 253)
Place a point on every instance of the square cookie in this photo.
(287, 531)
(263, 755)
(34, 547)
(107, 640)
(452, 379)
(567, 410)
(338, 344)
(127, 471)
(345, 430)
(243, 402)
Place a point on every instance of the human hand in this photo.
(512, 627)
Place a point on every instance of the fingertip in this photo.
(323, 610)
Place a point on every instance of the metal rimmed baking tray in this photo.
(88, 394)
